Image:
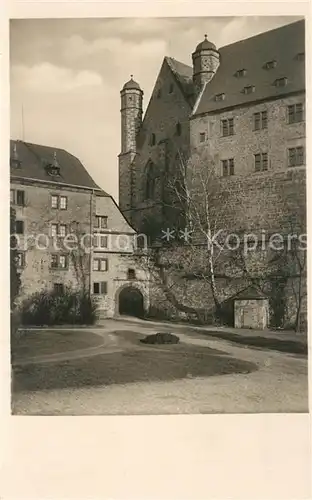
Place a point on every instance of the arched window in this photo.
(150, 181)
(152, 139)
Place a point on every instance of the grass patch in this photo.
(44, 342)
(137, 365)
(282, 345)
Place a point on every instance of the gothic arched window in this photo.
(151, 181)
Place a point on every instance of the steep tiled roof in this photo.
(281, 45)
(34, 158)
(184, 76)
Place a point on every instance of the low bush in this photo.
(51, 308)
(161, 338)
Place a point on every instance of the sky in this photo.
(66, 75)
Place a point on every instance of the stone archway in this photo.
(131, 302)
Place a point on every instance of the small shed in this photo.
(251, 309)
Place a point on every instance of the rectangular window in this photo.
(131, 274)
(101, 222)
(62, 230)
(261, 162)
(296, 156)
(58, 288)
(100, 288)
(62, 261)
(20, 198)
(103, 242)
(295, 113)
(21, 260)
(202, 137)
(53, 230)
(100, 265)
(58, 261)
(12, 196)
(54, 201)
(260, 120)
(19, 227)
(54, 261)
(231, 166)
(228, 127)
(228, 167)
(96, 265)
(63, 202)
(100, 241)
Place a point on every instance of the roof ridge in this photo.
(180, 62)
(170, 60)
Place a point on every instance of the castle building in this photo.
(242, 104)
(240, 108)
(70, 232)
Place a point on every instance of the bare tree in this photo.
(296, 256)
(203, 199)
(200, 199)
(80, 255)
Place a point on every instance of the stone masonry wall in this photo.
(119, 256)
(38, 215)
(269, 202)
(83, 206)
(162, 116)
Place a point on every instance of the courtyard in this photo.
(107, 371)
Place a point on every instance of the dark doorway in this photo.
(131, 302)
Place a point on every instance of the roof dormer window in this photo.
(300, 56)
(15, 162)
(220, 97)
(281, 82)
(249, 89)
(53, 171)
(240, 73)
(53, 168)
(270, 65)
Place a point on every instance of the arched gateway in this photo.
(131, 302)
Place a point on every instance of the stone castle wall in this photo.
(265, 202)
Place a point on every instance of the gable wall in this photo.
(161, 118)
